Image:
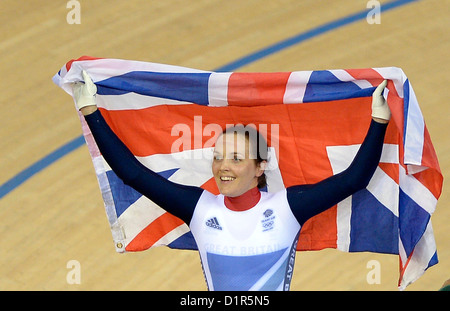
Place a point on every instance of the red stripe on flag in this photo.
(429, 178)
(211, 186)
(153, 232)
(366, 74)
(391, 170)
(252, 89)
(69, 63)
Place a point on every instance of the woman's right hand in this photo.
(380, 109)
(84, 94)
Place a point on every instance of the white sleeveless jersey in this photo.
(246, 250)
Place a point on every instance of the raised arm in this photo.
(179, 200)
(307, 201)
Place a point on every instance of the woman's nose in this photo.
(224, 165)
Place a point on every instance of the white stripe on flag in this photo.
(423, 252)
(415, 128)
(417, 191)
(118, 67)
(396, 75)
(172, 235)
(193, 166)
(343, 217)
(296, 87)
(344, 76)
(133, 101)
(101, 167)
(385, 190)
(218, 89)
(340, 158)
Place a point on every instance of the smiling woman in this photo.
(258, 230)
(240, 158)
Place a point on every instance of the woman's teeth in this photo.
(227, 178)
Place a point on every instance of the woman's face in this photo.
(234, 166)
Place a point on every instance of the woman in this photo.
(246, 238)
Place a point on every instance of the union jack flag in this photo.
(314, 121)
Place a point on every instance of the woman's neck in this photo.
(244, 201)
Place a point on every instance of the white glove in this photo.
(84, 93)
(380, 108)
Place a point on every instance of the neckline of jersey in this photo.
(243, 202)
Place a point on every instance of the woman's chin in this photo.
(228, 191)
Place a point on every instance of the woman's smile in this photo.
(227, 178)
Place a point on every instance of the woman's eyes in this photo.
(235, 158)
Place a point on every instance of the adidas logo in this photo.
(213, 223)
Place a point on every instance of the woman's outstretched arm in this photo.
(307, 201)
(179, 200)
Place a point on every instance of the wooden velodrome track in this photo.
(56, 215)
